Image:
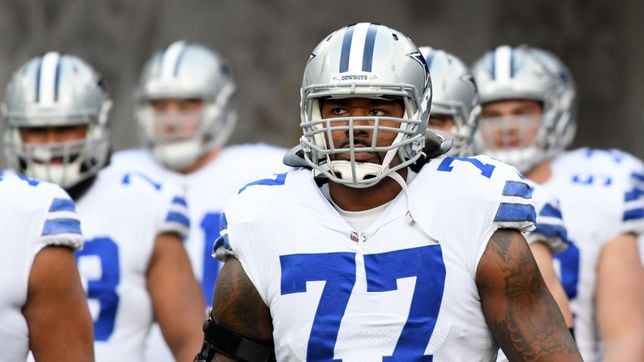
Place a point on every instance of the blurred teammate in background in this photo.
(186, 110)
(527, 120)
(133, 264)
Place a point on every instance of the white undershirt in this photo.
(360, 220)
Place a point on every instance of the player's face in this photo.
(53, 135)
(510, 123)
(177, 119)
(441, 122)
(363, 107)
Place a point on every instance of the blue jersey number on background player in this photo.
(104, 289)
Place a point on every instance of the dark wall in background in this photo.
(267, 43)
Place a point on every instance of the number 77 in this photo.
(382, 273)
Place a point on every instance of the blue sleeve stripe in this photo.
(634, 214)
(180, 201)
(634, 194)
(62, 205)
(515, 188)
(61, 226)
(178, 218)
(551, 211)
(552, 231)
(515, 212)
(638, 176)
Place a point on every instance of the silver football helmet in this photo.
(455, 95)
(186, 71)
(364, 61)
(526, 73)
(56, 90)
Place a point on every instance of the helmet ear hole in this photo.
(186, 72)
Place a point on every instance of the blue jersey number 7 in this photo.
(382, 273)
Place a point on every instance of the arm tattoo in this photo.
(238, 306)
(520, 311)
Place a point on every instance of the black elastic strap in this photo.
(231, 344)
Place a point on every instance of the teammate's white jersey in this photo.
(550, 226)
(207, 191)
(405, 287)
(592, 187)
(122, 214)
(36, 214)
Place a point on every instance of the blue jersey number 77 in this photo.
(382, 273)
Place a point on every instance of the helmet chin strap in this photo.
(410, 217)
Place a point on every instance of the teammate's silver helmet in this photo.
(364, 61)
(530, 73)
(57, 90)
(186, 71)
(454, 94)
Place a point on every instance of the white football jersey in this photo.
(207, 191)
(550, 228)
(403, 288)
(122, 214)
(634, 203)
(592, 186)
(37, 214)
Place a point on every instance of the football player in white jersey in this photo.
(528, 119)
(133, 264)
(372, 253)
(456, 110)
(186, 108)
(42, 304)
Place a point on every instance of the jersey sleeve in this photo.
(249, 226)
(62, 225)
(515, 210)
(176, 217)
(633, 216)
(549, 227)
(478, 195)
(165, 199)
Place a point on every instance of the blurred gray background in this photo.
(267, 43)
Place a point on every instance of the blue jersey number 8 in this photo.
(382, 272)
(104, 289)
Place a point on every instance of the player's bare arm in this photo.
(620, 299)
(176, 296)
(60, 325)
(543, 257)
(238, 307)
(521, 313)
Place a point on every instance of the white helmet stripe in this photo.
(357, 47)
(48, 80)
(503, 63)
(171, 59)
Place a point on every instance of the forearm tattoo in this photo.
(524, 317)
